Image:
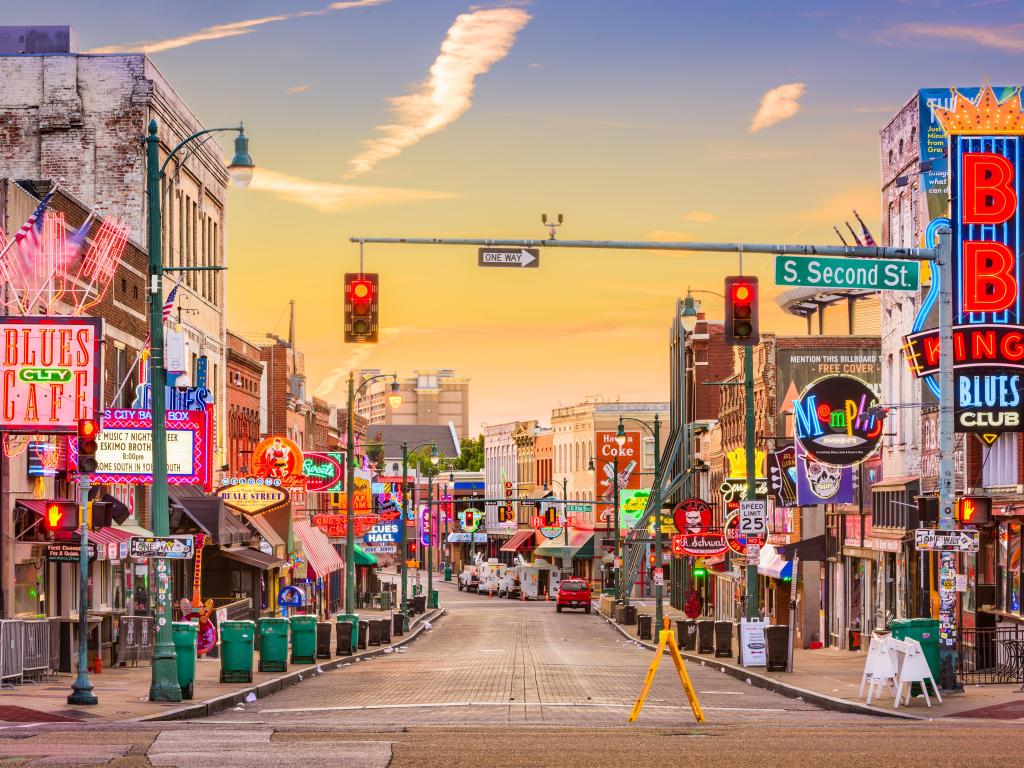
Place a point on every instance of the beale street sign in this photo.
(839, 272)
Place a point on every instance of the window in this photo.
(120, 372)
(999, 462)
(648, 457)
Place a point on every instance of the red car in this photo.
(573, 593)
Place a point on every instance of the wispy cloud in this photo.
(474, 43)
(298, 89)
(229, 29)
(777, 105)
(668, 236)
(699, 216)
(330, 387)
(1004, 37)
(330, 197)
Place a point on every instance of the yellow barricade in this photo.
(667, 639)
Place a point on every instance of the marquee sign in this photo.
(834, 422)
(986, 160)
(324, 471)
(252, 499)
(125, 448)
(50, 373)
(698, 544)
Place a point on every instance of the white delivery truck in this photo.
(539, 579)
(491, 573)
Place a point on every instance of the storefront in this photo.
(463, 548)
(316, 568)
(579, 549)
(521, 544)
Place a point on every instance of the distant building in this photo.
(245, 380)
(429, 397)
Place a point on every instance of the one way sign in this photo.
(931, 540)
(508, 257)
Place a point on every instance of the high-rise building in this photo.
(429, 397)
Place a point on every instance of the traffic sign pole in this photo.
(81, 689)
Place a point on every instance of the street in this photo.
(507, 683)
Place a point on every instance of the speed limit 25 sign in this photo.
(753, 517)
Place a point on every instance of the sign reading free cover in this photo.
(839, 272)
(49, 373)
(125, 448)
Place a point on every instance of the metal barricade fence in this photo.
(12, 650)
(991, 656)
(135, 639)
(36, 657)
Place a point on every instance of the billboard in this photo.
(604, 467)
(324, 471)
(50, 373)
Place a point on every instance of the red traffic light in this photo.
(361, 308)
(88, 431)
(741, 312)
(88, 428)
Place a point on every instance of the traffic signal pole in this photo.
(81, 689)
(753, 598)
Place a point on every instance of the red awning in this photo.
(320, 554)
(109, 535)
(521, 540)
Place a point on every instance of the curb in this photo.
(821, 700)
(274, 685)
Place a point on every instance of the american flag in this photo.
(76, 240)
(30, 235)
(868, 239)
(169, 303)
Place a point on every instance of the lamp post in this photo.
(395, 400)
(688, 317)
(164, 685)
(405, 518)
(620, 438)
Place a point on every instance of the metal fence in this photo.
(12, 651)
(989, 656)
(135, 639)
(36, 654)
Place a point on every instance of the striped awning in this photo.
(109, 539)
(522, 540)
(320, 554)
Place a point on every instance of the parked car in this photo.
(573, 593)
(469, 579)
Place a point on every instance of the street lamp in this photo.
(405, 520)
(656, 492)
(564, 482)
(350, 465)
(164, 685)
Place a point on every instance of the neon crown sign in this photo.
(988, 117)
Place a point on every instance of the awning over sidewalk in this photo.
(581, 545)
(463, 538)
(261, 525)
(253, 558)
(206, 513)
(320, 554)
(365, 558)
(808, 549)
(522, 540)
(772, 565)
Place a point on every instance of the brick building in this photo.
(429, 397)
(244, 385)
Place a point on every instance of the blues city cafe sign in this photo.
(986, 144)
(837, 422)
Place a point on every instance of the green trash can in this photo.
(448, 572)
(273, 644)
(184, 634)
(926, 632)
(236, 646)
(433, 598)
(303, 639)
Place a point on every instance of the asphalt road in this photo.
(499, 683)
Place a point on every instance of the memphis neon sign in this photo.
(836, 420)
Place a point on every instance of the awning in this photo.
(522, 540)
(207, 513)
(463, 538)
(772, 565)
(895, 483)
(261, 525)
(35, 506)
(317, 548)
(365, 558)
(808, 549)
(253, 558)
(581, 545)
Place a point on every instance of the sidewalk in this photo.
(123, 692)
(833, 676)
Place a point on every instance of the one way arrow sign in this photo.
(508, 257)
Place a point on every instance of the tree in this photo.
(471, 456)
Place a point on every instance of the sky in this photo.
(635, 119)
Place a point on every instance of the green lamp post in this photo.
(620, 438)
(164, 685)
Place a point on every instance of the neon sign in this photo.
(324, 471)
(49, 373)
(835, 423)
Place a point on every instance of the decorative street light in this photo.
(164, 685)
(656, 492)
(405, 518)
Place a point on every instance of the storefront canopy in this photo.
(253, 558)
(772, 565)
(808, 549)
(463, 538)
(261, 525)
(320, 554)
(206, 513)
(581, 545)
(365, 558)
(520, 541)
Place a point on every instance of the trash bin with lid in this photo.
(353, 621)
(705, 636)
(236, 650)
(185, 634)
(344, 645)
(433, 598)
(926, 632)
(629, 614)
(776, 638)
(303, 639)
(421, 603)
(364, 630)
(447, 571)
(323, 639)
(398, 623)
(373, 631)
(385, 631)
(643, 626)
(273, 633)
(686, 634)
(723, 639)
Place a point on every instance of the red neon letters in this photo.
(988, 188)
(989, 282)
(988, 267)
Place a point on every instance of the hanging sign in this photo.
(336, 526)
(425, 526)
(69, 552)
(324, 471)
(125, 448)
(819, 483)
(698, 544)
(739, 542)
(362, 493)
(175, 398)
(49, 373)
(782, 476)
(279, 458)
(252, 499)
(382, 533)
(835, 423)
(180, 547)
(692, 516)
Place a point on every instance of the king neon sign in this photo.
(985, 139)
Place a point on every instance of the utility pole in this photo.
(618, 554)
(753, 599)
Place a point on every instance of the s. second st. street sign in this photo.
(838, 272)
(508, 257)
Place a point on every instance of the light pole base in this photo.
(164, 686)
(82, 691)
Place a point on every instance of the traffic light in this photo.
(974, 510)
(469, 520)
(101, 514)
(361, 305)
(60, 516)
(88, 431)
(741, 300)
(551, 517)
